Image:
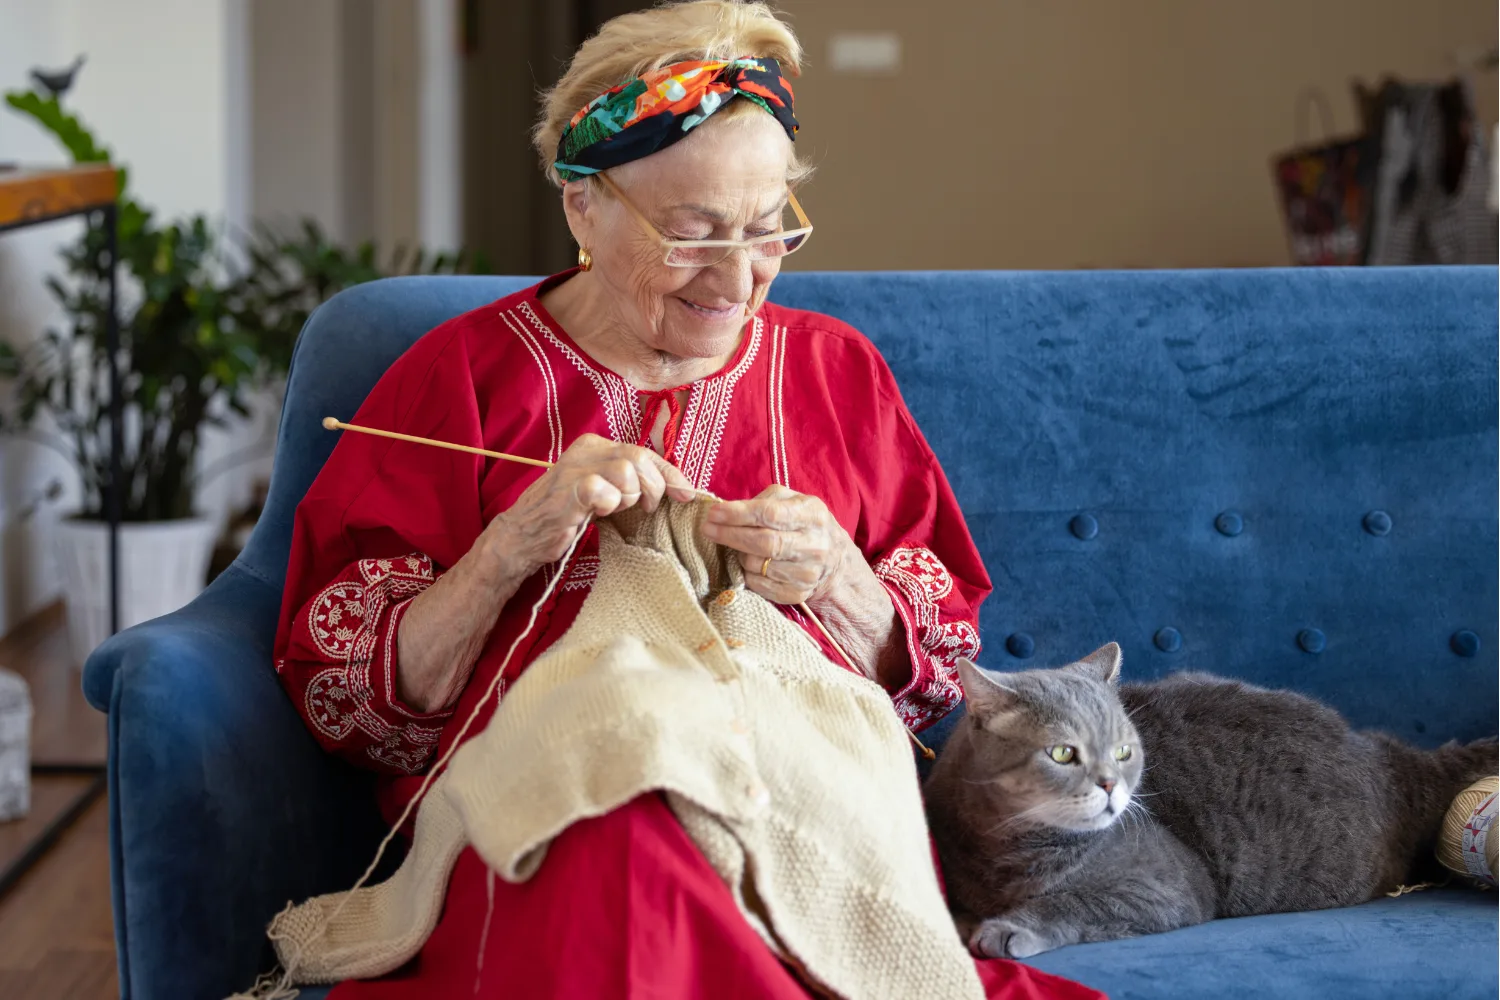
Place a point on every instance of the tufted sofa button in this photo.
(1229, 524)
(1020, 645)
(1378, 523)
(1084, 527)
(1168, 639)
(1464, 643)
(1312, 640)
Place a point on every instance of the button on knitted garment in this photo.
(793, 776)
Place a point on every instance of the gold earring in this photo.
(585, 260)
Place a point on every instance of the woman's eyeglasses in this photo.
(707, 253)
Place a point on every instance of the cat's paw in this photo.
(1003, 937)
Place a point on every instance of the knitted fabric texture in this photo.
(793, 776)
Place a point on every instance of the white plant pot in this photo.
(163, 565)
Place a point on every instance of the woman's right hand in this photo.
(447, 625)
(595, 477)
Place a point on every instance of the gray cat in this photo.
(1068, 809)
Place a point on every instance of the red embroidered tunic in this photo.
(625, 906)
(806, 402)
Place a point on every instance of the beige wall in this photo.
(354, 119)
(397, 128)
(297, 112)
(1088, 133)
(313, 113)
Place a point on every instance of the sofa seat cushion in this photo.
(1438, 944)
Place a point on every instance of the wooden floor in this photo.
(56, 935)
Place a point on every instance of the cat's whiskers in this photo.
(1136, 813)
(1137, 827)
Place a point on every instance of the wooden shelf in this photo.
(31, 195)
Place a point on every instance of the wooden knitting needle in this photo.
(334, 424)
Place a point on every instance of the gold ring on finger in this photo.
(765, 567)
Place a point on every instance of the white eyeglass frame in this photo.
(668, 244)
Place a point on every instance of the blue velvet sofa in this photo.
(1284, 476)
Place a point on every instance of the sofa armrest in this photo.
(222, 806)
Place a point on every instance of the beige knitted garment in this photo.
(792, 775)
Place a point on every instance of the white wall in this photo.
(155, 86)
(32, 33)
(237, 109)
(163, 87)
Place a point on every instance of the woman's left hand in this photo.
(794, 552)
(791, 547)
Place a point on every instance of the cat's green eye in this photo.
(1062, 754)
(1123, 753)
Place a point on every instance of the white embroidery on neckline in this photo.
(549, 383)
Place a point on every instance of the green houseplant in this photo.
(206, 319)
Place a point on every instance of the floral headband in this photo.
(648, 114)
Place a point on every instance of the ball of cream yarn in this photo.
(1469, 840)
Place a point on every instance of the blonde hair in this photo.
(632, 44)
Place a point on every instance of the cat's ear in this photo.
(986, 695)
(1102, 665)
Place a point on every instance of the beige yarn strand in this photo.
(484, 932)
(270, 986)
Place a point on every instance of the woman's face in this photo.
(726, 181)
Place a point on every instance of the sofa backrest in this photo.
(1285, 476)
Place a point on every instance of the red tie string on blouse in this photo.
(334, 424)
(651, 413)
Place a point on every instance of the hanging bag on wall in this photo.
(1326, 191)
(1430, 200)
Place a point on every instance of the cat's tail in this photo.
(1426, 783)
(1462, 764)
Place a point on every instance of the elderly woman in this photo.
(653, 369)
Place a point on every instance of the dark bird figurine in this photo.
(57, 82)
